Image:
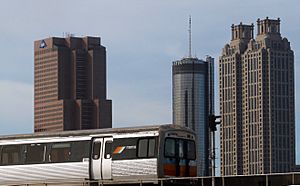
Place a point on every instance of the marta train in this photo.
(103, 154)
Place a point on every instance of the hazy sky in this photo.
(142, 39)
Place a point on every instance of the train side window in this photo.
(108, 149)
(151, 148)
(170, 147)
(96, 150)
(11, 155)
(146, 148)
(60, 152)
(35, 153)
(142, 148)
(80, 151)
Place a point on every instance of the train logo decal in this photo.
(119, 150)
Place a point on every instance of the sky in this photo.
(142, 38)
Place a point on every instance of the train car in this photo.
(103, 154)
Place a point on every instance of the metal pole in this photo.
(213, 155)
(213, 159)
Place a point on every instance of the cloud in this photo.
(16, 110)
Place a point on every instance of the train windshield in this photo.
(180, 148)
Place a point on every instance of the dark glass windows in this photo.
(35, 153)
(146, 148)
(151, 147)
(180, 148)
(60, 152)
(133, 148)
(124, 148)
(108, 149)
(170, 147)
(96, 150)
(11, 155)
(80, 151)
(143, 148)
(76, 151)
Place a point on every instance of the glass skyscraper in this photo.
(193, 102)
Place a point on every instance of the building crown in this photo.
(268, 26)
(242, 31)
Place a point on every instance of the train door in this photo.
(100, 164)
(107, 156)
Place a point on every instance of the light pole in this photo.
(213, 122)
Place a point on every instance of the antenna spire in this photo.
(190, 37)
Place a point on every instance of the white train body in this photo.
(104, 154)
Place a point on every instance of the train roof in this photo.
(95, 131)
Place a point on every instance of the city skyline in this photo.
(135, 49)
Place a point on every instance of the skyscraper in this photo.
(70, 84)
(257, 101)
(193, 102)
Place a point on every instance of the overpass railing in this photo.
(281, 179)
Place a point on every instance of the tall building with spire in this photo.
(257, 101)
(192, 93)
(192, 90)
(70, 84)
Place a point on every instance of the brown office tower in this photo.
(257, 101)
(70, 85)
